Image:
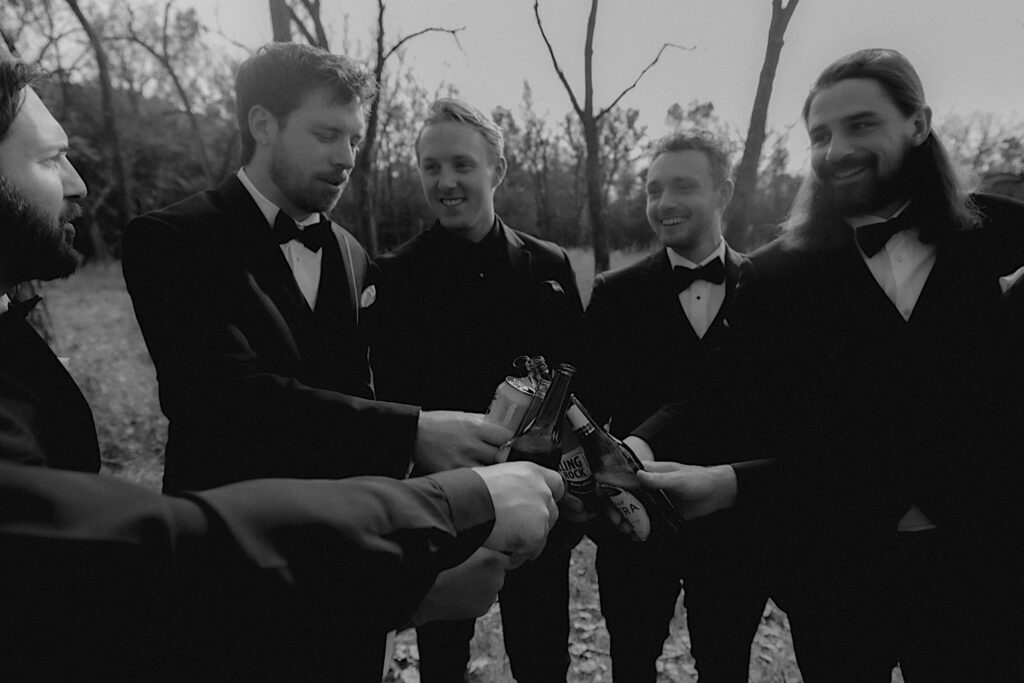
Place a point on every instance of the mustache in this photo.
(71, 211)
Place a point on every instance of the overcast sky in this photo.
(970, 54)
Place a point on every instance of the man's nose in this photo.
(74, 186)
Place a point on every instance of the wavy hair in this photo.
(929, 177)
(280, 75)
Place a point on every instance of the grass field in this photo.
(95, 327)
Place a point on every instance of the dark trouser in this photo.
(959, 613)
(534, 618)
(944, 610)
(725, 582)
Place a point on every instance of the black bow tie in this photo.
(21, 309)
(713, 272)
(312, 236)
(872, 238)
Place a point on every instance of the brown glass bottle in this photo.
(615, 466)
(541, 442)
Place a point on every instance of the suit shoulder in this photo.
(541, 248)
(195, 212)
(629, 274)
(777, 260)
(404, 254)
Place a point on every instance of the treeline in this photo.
(143, 86)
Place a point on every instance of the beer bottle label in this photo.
(630, 507)
(579, 481)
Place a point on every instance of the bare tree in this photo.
(283, 16)
(170, 60)
(591, 124)
(111, 132)
(737, 215)
(281, 21)
(366, 213)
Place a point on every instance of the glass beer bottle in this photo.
(615, 466)
(541, 441)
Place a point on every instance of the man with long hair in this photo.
(875, 358)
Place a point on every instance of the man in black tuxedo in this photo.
(875, 357)
(455, 306)
(101, 579)
(653, 331)
(250, 301)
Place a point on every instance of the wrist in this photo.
(725, 486)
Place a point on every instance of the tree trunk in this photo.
(280, 21)
(365, 209)
(100, 252)
(737, 215)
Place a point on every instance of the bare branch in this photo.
(302, 27)
(646, 69)
(433, 29)
(554, 60)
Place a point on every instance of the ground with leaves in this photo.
(95, 327)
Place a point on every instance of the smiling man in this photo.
(248, 296)
(651, 330)
(455, 306)
(875, 358)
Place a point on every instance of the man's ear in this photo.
(725, 192)
(500, 168)
(922, 122)
(262, 124)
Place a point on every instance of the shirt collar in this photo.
(677, 259)
(268, 208)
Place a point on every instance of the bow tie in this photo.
(312, 236)
(21, 309)
(713, 272)
(872, 238)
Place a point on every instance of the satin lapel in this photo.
(718, 327)
(518, 257)
(335, 311)
(260, 255)
(355, 272)
(935, 297)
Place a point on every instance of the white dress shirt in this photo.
(305, 263)
(702, 300)
(901, 269)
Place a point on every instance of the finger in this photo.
(555, 484)
(492, 433)
(570, 503)
(662, 466)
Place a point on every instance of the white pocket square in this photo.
(368, 296)
(1008, 282)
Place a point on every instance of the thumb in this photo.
(653, 480)
(554, 481)
(661, 466)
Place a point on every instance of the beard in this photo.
(877, 190)
(35, 245)
(307, 194)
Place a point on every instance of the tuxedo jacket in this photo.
(265, 580)
(865, 413)
(254, 383)
(44, 419)
(446, 328)
(641, 352)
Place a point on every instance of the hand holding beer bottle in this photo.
(615, 470)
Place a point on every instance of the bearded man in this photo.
(876, 359)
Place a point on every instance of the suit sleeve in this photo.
(212, 370)
(248, 570)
